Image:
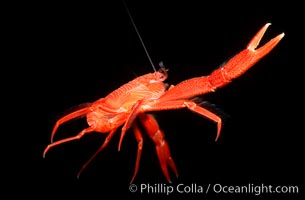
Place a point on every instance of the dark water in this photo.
(79, 52)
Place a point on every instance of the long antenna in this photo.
(135, 27)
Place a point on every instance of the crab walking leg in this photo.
(73, 115)
(107, 140)
(139, 139)
(129, 121)
(152, 128)
(179, 104)
(235, 67)
(77, 137)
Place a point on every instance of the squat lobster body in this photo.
(149, 93)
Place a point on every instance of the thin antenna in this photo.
(135, 27)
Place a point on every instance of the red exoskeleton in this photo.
(149, 93)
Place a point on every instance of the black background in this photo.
(65, 54)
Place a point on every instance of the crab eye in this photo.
(161, 75)
(162, 72)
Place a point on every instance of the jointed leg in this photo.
(178, 104)
(152, 128)
(131, 118)
(73, 115)
(77, 137)
(107, 140)
(204, 112)
(139, 139)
